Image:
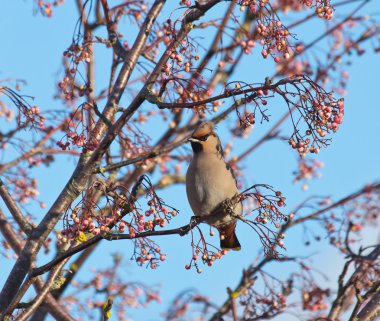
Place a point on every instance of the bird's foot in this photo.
(194, 221)
(228, 206)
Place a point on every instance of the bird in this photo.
(211, 184)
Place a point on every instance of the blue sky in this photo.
(32, 50)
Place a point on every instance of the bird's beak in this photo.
(192, 139)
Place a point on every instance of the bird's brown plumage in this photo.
(205, 128)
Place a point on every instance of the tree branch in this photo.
(109, 237)
(25, 226)
(13, 239)
(43, 293)
(364, 190)
(227, 93)
(151, 154)
(371, 310)
(251, 272)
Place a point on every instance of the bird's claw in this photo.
(228, 206)
(194, 221)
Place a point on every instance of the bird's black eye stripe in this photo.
(203, 138)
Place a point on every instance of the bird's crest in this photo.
(205, 128)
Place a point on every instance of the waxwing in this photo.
(210, 182)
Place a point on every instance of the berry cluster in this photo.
(31, 114)
(85, 221)
(247, 46)
(307, 170)
(274, 39)
(79, 140)
(274, 302)
(37, 160)
(185, 3)
(69, 86)
(313, 299)
(323, 9)
(267, 303)
(133, 141)
(76, 131)
(273, 34)
(321, 113)
(294, 67)
(34, 116)
(202, 251)
(267, 207)
(46, 8)
(6, 112)
(344, 227)
(24, 187)
(294, 5)
(248, 118)
(182, 57)
(147, 253)
(244, 125)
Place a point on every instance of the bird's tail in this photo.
(228, 238)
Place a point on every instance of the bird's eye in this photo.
(204, 138)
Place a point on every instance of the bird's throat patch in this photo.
(197, 147)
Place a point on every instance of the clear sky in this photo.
(32, 48)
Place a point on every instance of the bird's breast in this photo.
(208, 183)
